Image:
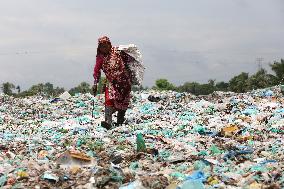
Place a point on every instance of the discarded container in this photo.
(48, 175)
(141, 147)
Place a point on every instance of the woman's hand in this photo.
(95, 89)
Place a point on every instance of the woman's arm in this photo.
(97, 69)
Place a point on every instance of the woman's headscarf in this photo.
(101, 40)
(104, 39)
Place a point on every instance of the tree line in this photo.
(240, 83)
(43, 89)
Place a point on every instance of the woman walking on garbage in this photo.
(118, 87)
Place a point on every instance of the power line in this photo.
(31, 52)
(27, 52)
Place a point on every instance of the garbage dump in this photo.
(170, 140)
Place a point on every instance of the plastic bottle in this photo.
(141, 147)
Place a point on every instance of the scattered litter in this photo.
(171, 140)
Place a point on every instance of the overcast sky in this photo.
(181, 40)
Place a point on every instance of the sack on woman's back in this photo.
(135, 65)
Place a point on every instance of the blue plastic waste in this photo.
(192, 184)
(249, 111)
(268, 93)
(55, 100)
(198, 175)
(148, 108)
(268, 161)
(231, 154)
(280, 110)
(194, 181)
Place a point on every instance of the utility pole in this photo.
(259, 62)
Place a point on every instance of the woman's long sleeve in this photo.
(97, 69)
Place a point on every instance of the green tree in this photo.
(222, 86)
(189, 87)
(46, 89)
(7, 88)
(83, 88)
(278, 69)
(239, 83)
(58, 90)
(204, 89)
(36, 89)
(164, 84)
(260, 80)
(212, 82)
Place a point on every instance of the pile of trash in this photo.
(170, 140)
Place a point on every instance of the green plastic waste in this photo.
(81, 104)
(215, 150)
(164, 154)
(116, 176)
(199, 129)
(141, 147)
(275, 130)
(203, 153)
(182, 168)
(148, 109)
(258, 168)
(3, 180)
(199, 165)
(178, 175)
(134, 165)
(210, 110)
(167, 133)
(187, 116)
(96, 114)
(62, 130)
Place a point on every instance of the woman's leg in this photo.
(120, 117)
(109, 110)
(108, 114)
(108, 117)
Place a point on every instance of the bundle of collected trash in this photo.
(170, 140)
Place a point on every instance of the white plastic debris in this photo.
(65, 95)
